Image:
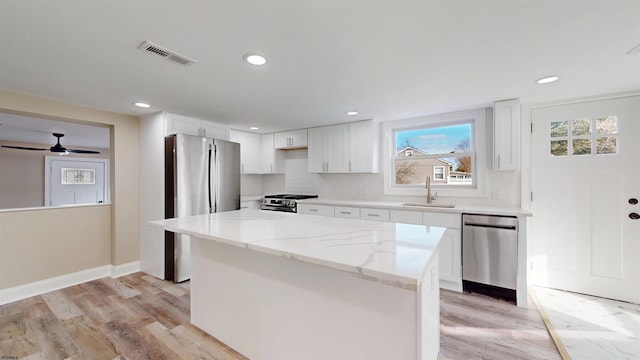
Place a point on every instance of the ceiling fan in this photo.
(57, 148)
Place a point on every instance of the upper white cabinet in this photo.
(250, 150)
(506, 135)
(344, 148)
(272, 159)
(363, 147)
(179, 124)
(294, 139)
(328, 149)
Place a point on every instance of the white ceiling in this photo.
(21, 128)
(388, 59)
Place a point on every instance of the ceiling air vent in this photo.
(165, 53)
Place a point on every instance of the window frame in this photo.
(478, 119)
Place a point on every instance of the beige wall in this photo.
(40, 244)
(123, 240)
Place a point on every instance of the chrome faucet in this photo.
(427, 185)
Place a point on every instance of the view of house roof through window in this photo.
(445, 153)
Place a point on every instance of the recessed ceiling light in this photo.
(548, 79)
(254, 128)
(255, 59)
(352, 113)
(141, 104)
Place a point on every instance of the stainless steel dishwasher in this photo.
(490, 255)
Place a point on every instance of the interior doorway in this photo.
(75, 180)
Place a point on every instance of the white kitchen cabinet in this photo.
(250, 151)
(450, 260)
(347, 212)
(506, 135)
(374, 214)
(328, 149)
(179, 124)
(250, 204)
(405, 217)
(312, 209)
(294, 139)
(363, 147)
(272, 159)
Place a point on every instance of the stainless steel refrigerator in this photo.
(202, 176)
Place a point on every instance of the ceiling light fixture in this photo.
(254, 128)
(352, 113)
(546, 80)
(255, 59)
(141, 105)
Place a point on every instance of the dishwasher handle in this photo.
(493, 226)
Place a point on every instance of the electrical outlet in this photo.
(362, 190)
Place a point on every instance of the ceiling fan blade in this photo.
(23, 148)
(83, 151)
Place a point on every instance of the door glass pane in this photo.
(74, 176)
(558, 129)
(606, 145)
(581, 127)
(607, 125)
(581, 147)
(559, 148)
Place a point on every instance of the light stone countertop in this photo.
(393, 254)
(458, 209)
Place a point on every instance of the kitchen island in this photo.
(278, 285)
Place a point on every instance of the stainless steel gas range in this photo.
(283, 202)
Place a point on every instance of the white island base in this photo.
(268, 307)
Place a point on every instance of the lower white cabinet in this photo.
(374, 214)
(312, 209)
(405, 217)
(450, 248)
(347, 212)
(251, 204)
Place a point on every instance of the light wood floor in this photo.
(140, 317)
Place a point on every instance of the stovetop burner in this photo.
(291, 196)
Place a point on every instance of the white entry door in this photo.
(71, 181)
(585, 183)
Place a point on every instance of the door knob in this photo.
(633, 201)
(634, 216)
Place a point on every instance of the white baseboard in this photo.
(125, 269)
(450, 285)
(59, 282)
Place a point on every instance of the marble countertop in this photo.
(458, 209)
(389, 253)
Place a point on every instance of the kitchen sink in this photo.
(430, 205)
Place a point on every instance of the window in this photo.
(442, 147)
(577, 138)
(436, 151)
(438, 173)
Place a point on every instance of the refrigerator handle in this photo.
(214, 185)
(209, 177)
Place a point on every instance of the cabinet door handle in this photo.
(243, 168)
(345, 212)
(270, 168)
(327, 166)
(316, 210)
(349, 166)
(498, 161)
(373, 215)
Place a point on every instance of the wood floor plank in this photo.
(138, 317)
(62, 307)
(211, 345)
